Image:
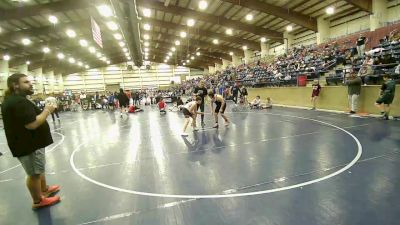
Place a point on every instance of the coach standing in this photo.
(354, 89)
(28, 133)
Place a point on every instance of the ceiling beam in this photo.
(206, 17)
(165, 42)
(292, 16)
(198, 43)
(173, 26)
(42, 9)
(205, 60)
(365, 5)
(43, 31)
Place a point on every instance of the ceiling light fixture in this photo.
(6, 57)
(146, 26)
(146, 37)
(330, 10)
(177, 42)
(60, 56)
(83, 43)
(183, 34)
(118, 36)
(203, 5)
(53, 19)
(244, 47)
(192, 57)
(129, 58)
(46, 49)
(263, 39)
(190, 22)
(170, 53)
(146, 12)
(26, 41)
(87, 66)
(125, 50)
(105, 10)
(229, 31)
(249, 17)
(121, 43)
(98, 55)
(146, 49)
(80, 63)
(215, 41)
(108, 62)
(173, 49)
(184, 64)
(71, 60)
(28, 62)
(71, 33)
(289, 28)
(112, 25)
(231, 53)
(92, 50)
(198, 53)
(146, 44)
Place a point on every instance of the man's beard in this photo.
(27, 92)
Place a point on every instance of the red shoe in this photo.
(51, 190)
(46, 202)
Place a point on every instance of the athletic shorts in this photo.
(34, 164)
(186, 112)
(218, 108)
(385, 99)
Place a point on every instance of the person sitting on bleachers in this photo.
(255, 103)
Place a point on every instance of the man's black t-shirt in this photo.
(123, 99)
(201, 91)
(360, 41)
(235, 90)
(17, 112)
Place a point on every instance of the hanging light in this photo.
(53, 19)
(70, 33)
(147, 12)
(177, 42)
(190, 22)
(183, 34)
(249, 17)
(330, 10)
(46, 49)
(203, 5)
(83, 43)
(112, 25)
(105, 10)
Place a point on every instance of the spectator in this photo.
(316, 89)
(28, 133)
(354, 90)
(361, 41)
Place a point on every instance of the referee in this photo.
(202, 92)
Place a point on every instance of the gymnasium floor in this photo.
(277, 167)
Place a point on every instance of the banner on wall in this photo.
(96, 32)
